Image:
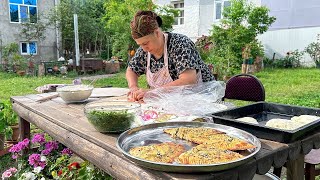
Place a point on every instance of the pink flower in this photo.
(6, 175)
(38, 138)
(13, 170)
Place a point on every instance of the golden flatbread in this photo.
(206, 154)
(223, 141)
(164, 152)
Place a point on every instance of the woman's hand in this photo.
(137, 95)
(130, 96)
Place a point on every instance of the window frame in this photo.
(28, 47)
(20, 20)
(179, 18)
(222, 2)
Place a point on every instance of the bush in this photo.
(291, 60)
(313, 49)
(241, 24)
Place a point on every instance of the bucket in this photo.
(267, 176)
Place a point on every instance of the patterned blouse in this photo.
(182, 55)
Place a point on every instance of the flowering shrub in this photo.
(204, 46)
(47, 160)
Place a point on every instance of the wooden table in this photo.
(68, 125)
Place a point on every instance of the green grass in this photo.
(287, 86)
(292, 86)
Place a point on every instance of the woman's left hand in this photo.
(139, 94)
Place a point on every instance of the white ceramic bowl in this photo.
(75, 93)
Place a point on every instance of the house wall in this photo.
(191, 18)
(284, 40)
(47, 49)
(296, 25)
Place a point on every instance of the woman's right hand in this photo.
(130, 95)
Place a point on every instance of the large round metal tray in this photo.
(153, 133)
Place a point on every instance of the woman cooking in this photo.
(167, 59)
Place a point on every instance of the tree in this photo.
(241, 24)
(92, 34)
(119, 15)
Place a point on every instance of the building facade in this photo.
(13, 13)
(296, 25)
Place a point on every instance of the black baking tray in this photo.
(264, 111)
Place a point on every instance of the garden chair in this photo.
(244, 87)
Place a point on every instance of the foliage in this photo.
(291, 60)
(47, 160)
(241, 24)
(313, 49)
(92, 34)
(7, 117)
(31, 31)
(118, 17)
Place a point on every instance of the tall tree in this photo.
(118, 17)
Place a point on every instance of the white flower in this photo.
(43, 178)
(28, 176)
(43, 159)
(37, 170)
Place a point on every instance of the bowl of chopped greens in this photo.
(112, 116)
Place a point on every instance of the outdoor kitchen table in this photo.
(68, 125)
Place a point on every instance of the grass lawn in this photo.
(287, 86)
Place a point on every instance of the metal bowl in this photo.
(75, 93)
(153, 133)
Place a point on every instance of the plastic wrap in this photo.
(199, 100)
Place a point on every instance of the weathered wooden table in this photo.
(68, 124)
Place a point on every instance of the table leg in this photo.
(295, 168)
(24, 128)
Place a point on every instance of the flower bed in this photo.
(42, 159)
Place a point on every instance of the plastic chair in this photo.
(244, 87)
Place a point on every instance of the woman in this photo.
(167, 59)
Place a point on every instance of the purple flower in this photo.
(35, 161)
(38, 138)
(67, 151)
(14, 156)
(46, 151)
(51, 145)
(25, 142)
(20, 146)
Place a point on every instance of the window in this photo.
(180, 18)
(28, 48)
(23, 10)
(219, 6)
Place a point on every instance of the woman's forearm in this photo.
(189, 76)
(132, 79)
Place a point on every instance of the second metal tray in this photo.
(153, 133)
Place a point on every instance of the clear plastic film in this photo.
(198, 99)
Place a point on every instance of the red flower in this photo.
(60, 172)
(74, 165)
